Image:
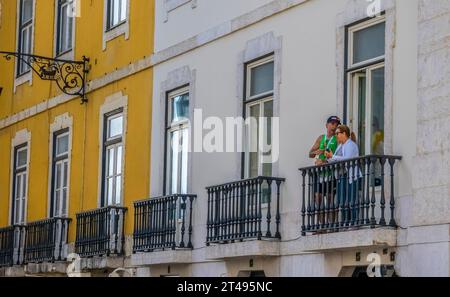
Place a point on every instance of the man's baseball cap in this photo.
(334, 119)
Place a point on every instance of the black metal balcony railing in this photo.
(247, 209)
(12, 245)
(100, 232)
(163, 223)
(349, 194)
(46, 240)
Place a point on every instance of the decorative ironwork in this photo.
(70, 76)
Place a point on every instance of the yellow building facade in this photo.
(117, 37)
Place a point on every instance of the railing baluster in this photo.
(392, 222)
(269, 208)
(383, 197)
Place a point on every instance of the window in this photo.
(259, 110)
(177, 142)
(64, 26)
(25, 33)
(60, 173)
(117, 13)
(20, 184)
(366, 78)
(113, 158)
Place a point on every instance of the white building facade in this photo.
(382, 66)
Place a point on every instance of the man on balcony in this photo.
(325, 143)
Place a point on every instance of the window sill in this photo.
(22, 79)
(116, 31)
(66, 55)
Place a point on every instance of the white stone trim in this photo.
(171, 5)
(21, 137)
(69, 55)
(177, 79)
(121, 29)
(27, 77)
(60, 122)
(354, 11)
(112, 103)
(257, 48)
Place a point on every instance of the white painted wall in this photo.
(185, 21)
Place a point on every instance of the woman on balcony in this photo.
(349, 181)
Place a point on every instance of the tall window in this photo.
(64, 26)
(177, 130)
(117, 13)
(366, 54)
(60, 172)
(259, 110)
(25, 33)
(113, 158)
(20, 184)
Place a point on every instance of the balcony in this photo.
(247, 210)
(12, 240)
(351, 195)
(163, 230)
(46, 240)
(100, 232)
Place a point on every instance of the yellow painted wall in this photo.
(85, 134)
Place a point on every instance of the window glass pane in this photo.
(109, 190)
(115, 12)
(174, 161)
(110, 161)
(184, 161)
(117, 199)
(21, 158)
(27, 10)
(65, 173)
(262, 79)
(115, 126)
(119, 160)
(58, 176)
(123, 10)
(377, 116)
(369, 43)
(180, 107)
(64, 203)
(254, 141)
(57, 203)
(267, 152)
(62, 145)
(362, 114)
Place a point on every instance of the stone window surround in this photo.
(21, 137)
(112, 103)
(121, 29)
(179, 78)
(63, 121)
(259, 47)
(356, 11)
(69, 55)
(171, 5)
(27, 77)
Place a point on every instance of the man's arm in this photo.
(315, 150)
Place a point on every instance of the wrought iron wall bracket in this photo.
(70, 76)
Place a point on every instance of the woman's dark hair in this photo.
(345, 129)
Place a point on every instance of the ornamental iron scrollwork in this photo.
(70, 76)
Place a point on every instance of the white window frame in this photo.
(112, 103)
(352, 31)
(181, 125)
(250, 101)
(122, 28)
(20, 79)
(118, 199)
(352, 97)
(269, 59)
(68, 54)
(63, 162)
(20, 173)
